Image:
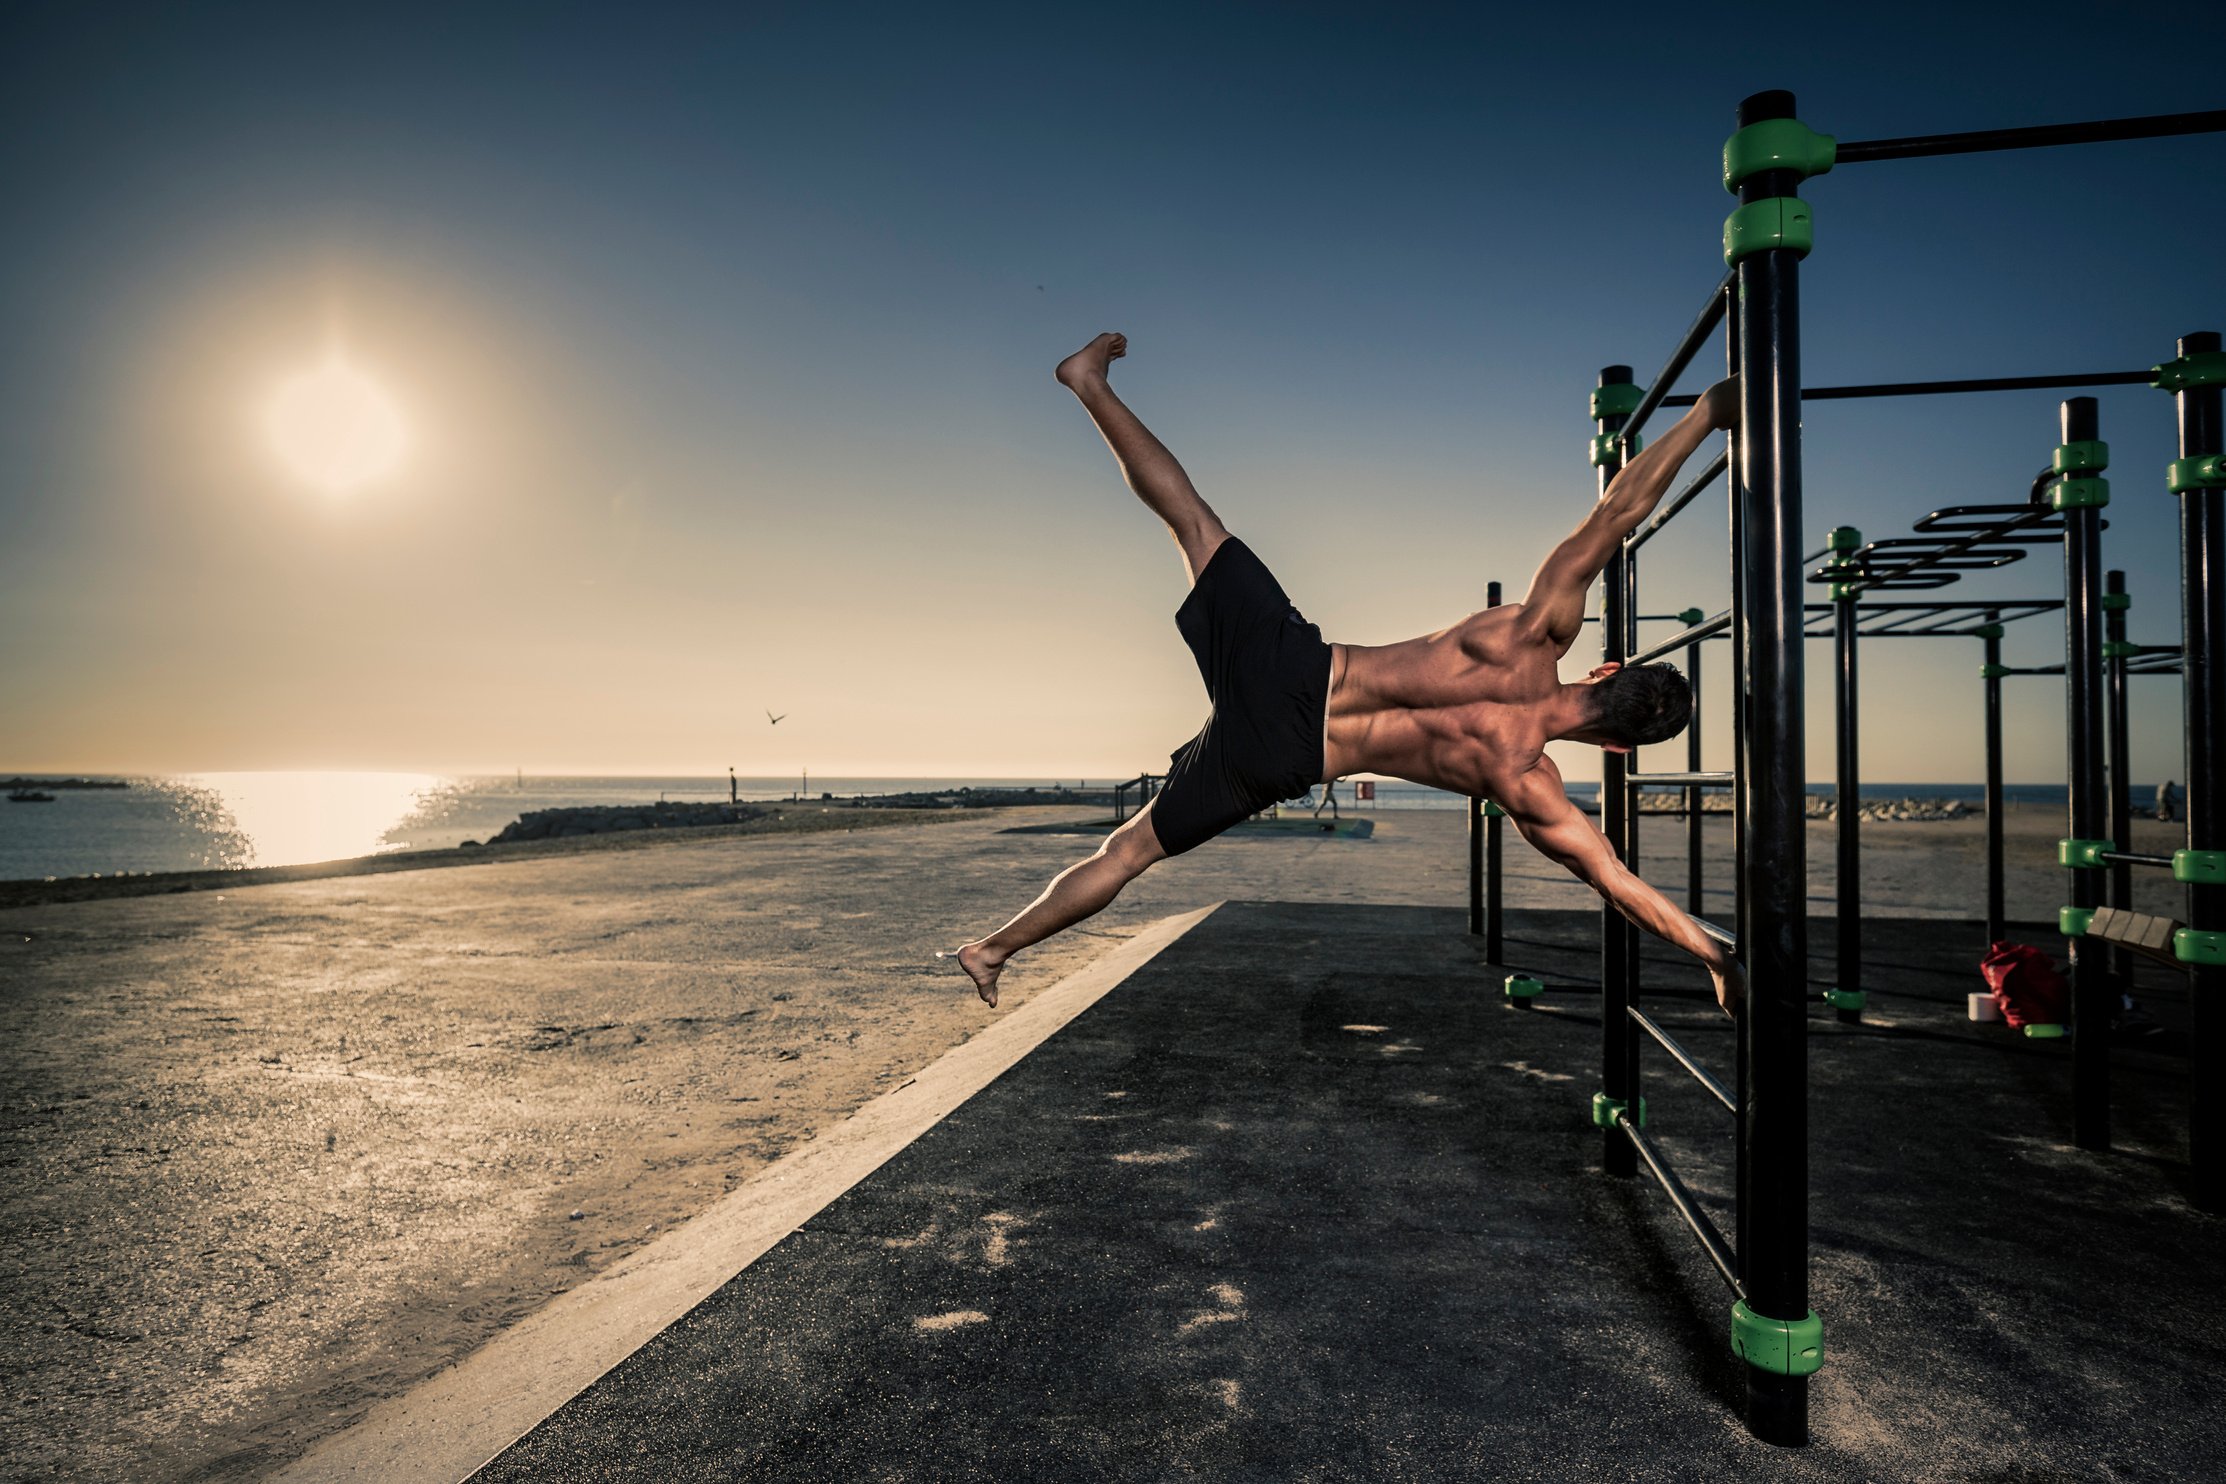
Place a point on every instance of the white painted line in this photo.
(456, 1420)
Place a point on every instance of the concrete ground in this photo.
(1304, 1200)
(276, 1150)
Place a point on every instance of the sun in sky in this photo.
(335, 428)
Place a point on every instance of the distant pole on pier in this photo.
(734, 789)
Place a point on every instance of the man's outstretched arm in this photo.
(1556, 596)
(1545, 817)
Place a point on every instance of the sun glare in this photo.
(336, 429)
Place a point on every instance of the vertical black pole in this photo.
(2203, 672)
(1991, 670)
(2091, 996)
(2114, 605)
(1495, 879)
(1848, 806)
(1735, 503)
(1628, 846)
(1476, 866)
(1696, 860)
(1616, 1031)
(1774, 1180)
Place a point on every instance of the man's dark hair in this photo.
(1641, 704)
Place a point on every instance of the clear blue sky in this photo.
(723, 335)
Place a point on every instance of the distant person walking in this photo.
(1468, 709)
(1328, 799)
(2168, 800)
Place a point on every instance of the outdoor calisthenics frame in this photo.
(1765, 238)
(2065, 506)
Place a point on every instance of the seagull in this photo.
(776, 720)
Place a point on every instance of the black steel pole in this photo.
(1617, 1036)
(2203, 672)
(2087, 797)
(1695, 855)
(2114, 605)
(1774, 1181)
(2035, 136)
(1848, 823)
(1476, 866)
(1996, 924)
(1495, 878)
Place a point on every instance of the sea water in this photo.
(218, 821)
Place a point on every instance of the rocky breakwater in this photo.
(604, 819)
(1819, 806)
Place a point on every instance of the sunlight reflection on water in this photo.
(285, 819)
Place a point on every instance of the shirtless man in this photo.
(1468, 709)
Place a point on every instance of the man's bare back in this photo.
(1469, 709)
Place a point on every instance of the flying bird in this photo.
(776, 720)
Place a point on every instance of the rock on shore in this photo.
(603, 819)
(1820, 806)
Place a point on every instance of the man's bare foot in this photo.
(1090, 364)
(982, 965)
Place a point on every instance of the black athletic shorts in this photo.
(1267, 673)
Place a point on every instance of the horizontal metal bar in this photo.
(1696, 336)
(1971, 384)
(2129, 858)
(1713, 933)
(1708, 476)
(2039, 136)
(1680, 639)
(1937, 605)
(1711, 1240)
(1681, 780)
(1685, 1058)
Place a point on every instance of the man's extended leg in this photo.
(1080, 891)
(1151, 470)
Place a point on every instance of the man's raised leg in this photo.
(1082, 890)
(1150, 469)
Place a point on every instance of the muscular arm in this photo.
(1543, 814)
(1556, 596)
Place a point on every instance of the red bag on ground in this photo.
(2026, 984)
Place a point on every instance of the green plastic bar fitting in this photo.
(1606, 1110)
(1993, 672)
(1523, 987)
(2116, 602)
(2199, 946)
(1785, 1347)
(1690, 616)
(2199, 867)
(2082, 855)
(1839, 590)
(2083, 493)
(2203, 368)
(2087, 456)
(1844, 538)
(2200, 472)
(2073, 922)
(1617, 399)
(2119, 649)
(1493, 811)
(2043, 1031)
(1776, 144)
(1758, 226)
(1607, 448)
(1988, 631)
(1846, 999)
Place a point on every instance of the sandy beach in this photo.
(278, 1150)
